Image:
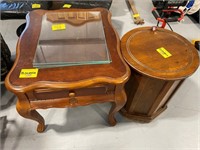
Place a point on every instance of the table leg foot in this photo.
(40, 127)
(25, 111)
(120, 101)
(111, 118)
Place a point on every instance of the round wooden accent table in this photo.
(160, 60)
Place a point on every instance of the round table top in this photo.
(159, 53)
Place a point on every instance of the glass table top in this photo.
(71, 38)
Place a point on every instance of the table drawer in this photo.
(51, 93)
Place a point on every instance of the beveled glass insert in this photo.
(71, 38)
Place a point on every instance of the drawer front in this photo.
(50, 94)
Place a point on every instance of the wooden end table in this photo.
(160, 60)
(74, 84)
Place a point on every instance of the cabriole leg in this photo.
(120, 100)
(24, 110)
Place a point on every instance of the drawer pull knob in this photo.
(72, 99)
(71, 94)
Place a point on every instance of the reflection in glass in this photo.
(71, 38)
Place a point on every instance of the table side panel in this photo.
(142, 91)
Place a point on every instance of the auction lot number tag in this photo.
(28, 73)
